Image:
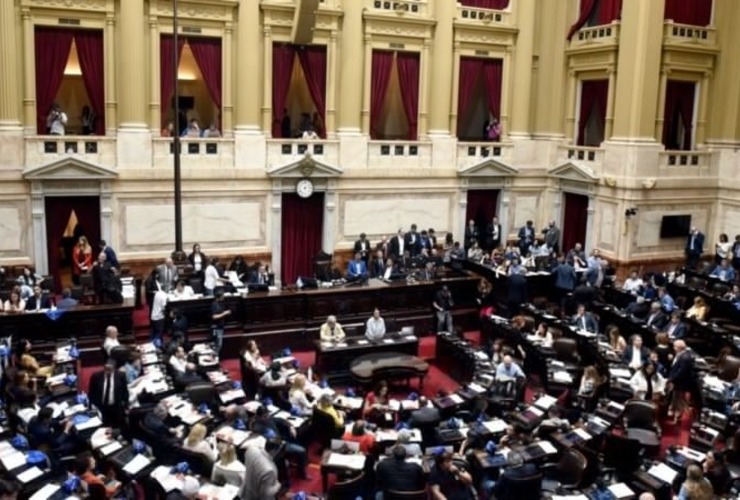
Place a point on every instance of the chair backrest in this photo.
(199, 463)
(565, 348)
(201, 392)
(522, 488)
(622, 453)
(641, 415)
(120, 354)
(572, 466)
(323, 427)
(729, 368)
(406, 495)
(86, 281)
(351, 488)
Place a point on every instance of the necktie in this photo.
(649, 392)
(107, 390)
(167, 279)
(583, 322)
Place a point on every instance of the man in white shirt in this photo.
(375, 327)
(632, 284)
(211, 278)
(183, 291)
(111, 339)
(157, 317)
(56, 120)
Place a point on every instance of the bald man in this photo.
(681, 378)
(331, 331)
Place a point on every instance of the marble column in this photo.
(227, 103)
(132, 54)
(277, 228)
(29, 74)
(662, 84)
(366, 86)
(109, 42)
(332, 88)
(442, 73)
(701, 120)
(38, 223)
(570, 112)
(589, 242)
(521, 99)
(609, 122)
(352, 73)
(330, 204)
(462, 211)
(557, 212)
(10, 93)
(424, 70)
(155, 93)
(106, 213)
(267, 83)
(503, 214)
(248, 68)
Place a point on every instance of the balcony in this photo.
(195, 153)
(483, 17)
(473, 153)
(399, 154)
(400, 7)
(687, 36)
(593, 38)
(42, 150)
(284, 151)
(685, 164)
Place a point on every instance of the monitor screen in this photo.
(675, 226)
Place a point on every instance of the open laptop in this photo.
(347, 447)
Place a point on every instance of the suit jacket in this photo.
(356, 269)
(44, 300)
(66, 303)
(364, 251)
(657, 321)
(412, 246)
(589, 320)
(110, 256)
(627, 355)
(681, 372)
(518, 289)
(507, 488)
(552, 236)
(120, 389)
(377, 268)
(162, 270)
(428, 416)
(490, 240)
(522, 234)
(103, 276)
(565, 277)
(679, 331)
(698, 244)
(394, 247)
(471, 234)
(254, 278)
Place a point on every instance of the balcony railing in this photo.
(685, 159)
(593, 157)
(483, 16)
(399, 154)
(596, 36)
(681, 34)
(473, 153)
(42, 150)
(200, 153)
(284, 151)
(400, 7)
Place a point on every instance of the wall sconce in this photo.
(630, 212)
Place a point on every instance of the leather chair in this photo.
(199, 464)
(641, 423)
(523, 487)
(201, 392)
(566, 350)
(406, 495)
(120, 355)
(728, 368)
(568, 473)
(350, 488)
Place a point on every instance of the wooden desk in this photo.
(371, 367)
(334, 359)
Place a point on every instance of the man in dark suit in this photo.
(681, 377)
(168, 275)
(109, 392)
(655, 318)
(507, 487)
(397, 245)
(110, 254)
(694, 247)
(413, 241)
(636, 354)
(396, 474)
(552, 237)
(676, 328)
(526, 237)
(565, 277)
(472, 235)
(362, 246)
(260, 276)
(67, 301)
(426, 415)
(518, 292)
(104, 279)
(585, 320)
(377, 266)
(154, 422)
(38, 300)
(357, 269)
(493, 235)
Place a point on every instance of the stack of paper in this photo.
(621, 490)
(137, 463)
(46, 492)
(353, 462)
(663, 473)
(29, 475)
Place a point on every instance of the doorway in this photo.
(575, 217)
(482, 208)
(67, 219)
(301, 235)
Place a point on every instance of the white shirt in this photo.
(299, 400)
(57, 125)
(197, 262)
(256, 362)
(111, 391)
(636, 361)
(632, 285)
(186, 293)
(232, 473)
(158, 306)
(180, 365)
(211, 278)
(639, 384)
(375, 329)
(109, 343)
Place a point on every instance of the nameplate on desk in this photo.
(362, 342)
(388, 341)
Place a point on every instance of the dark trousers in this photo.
(692, 259)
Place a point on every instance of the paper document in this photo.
(621, 490)
(110, 448)
(547, 447)
(136, 464)
(582, 434)
(495, 426)
(90, 424)
(29, 475)
(663, 473)
(46, 492)
(13, 460)
(354, 462)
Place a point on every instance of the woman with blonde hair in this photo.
(616, 341)
(197, 443)
(298, 395)
(228, 469)
(699, 310)
(696, 486)
(82, 259)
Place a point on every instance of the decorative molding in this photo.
(81, 5)
(307, 166)
(574, 171)
(489, 168)
(69, 169)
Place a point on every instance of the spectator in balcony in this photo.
(286, 131)
(493, 132)
(88, 120)
(56, 120)
(212, 131)
(305, 123)
(169, 130)
(318, 124)
(193, 130)
(310, 133)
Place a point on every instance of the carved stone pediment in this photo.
(308, 166)
(69, 169)
(574, 171)
(490, 167)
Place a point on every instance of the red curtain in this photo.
(609, 10)
(486, 4)
(408, 78)
(313, 62)
(58, 210)
(52, 52)
(302, 228)
(470, 70)
(166, 71)
(482, 204)
(492, 70)
(587, 10)
(207, 54)
(575, 216)
(381, 77)
(594, 94)
(694, 12)
(89, 45)
(679, 110)
(283, 57)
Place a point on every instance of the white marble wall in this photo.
(647, 238)
(10, 230)
(523, 208)
(608, 224)
(146, 225)
(384, 214)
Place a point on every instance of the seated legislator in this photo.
(397, 474)
(676, 328)
(184, 372)
(197, 443)
(298, 395)
(38, 300)
(326, 405)
(507, 369)
(446, 480)
(154, 423)
(360, 434)
(516, 471)
(331, 331)
(85, 465)
(655, 318)
(375, 327)
(67, 301)
(183, 291)
(29, 363)
(260, 276)
(699, 310)
(636, 354)
(585, 320)
(275, 377)
(15, 304)
(724, 272)
(357, 269)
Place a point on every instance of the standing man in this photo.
(397, 245)
(219, 313)
(261, 481)
(443, 304)
(471, 234)
(552, 237)
(103, 278)
(157, 318)
(167, 275)
(110, 254)
(493, 235)
(109, 393)
(413, 241)
(694, 247)
(56, 120)
(526, 237)
(362, 246)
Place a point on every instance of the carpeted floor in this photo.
(436, 380)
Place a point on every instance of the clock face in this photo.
(304, 188)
